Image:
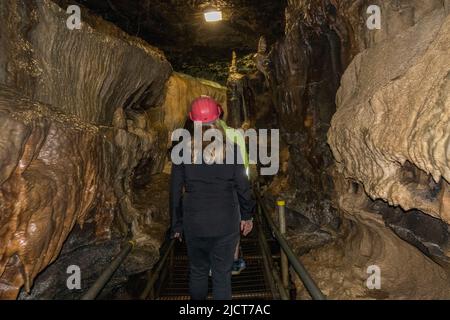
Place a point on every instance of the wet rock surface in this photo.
(398, 115)
(342, 268)
(63, 172)
(88, 72)
(301, 75)
(84, 122)
(86, 117)
(382, 135)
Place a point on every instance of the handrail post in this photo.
(284, 259)
(276, 284)
(297, 266)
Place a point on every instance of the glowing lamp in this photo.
(213, 16)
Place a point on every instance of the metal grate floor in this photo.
(250, 284)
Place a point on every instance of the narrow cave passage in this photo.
(349, 105)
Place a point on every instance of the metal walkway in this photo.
(266, 252)
(252, 283)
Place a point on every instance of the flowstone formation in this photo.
(354, 206)
(85, 124)
(393, 117)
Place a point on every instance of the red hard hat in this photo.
(205, 109)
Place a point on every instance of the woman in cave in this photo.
(216, 205)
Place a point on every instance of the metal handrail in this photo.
(269, 268)
(153, 276)
(106, 275)
(301, 271)
(101, 281)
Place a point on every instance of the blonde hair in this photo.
(211, 155)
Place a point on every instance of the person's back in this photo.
(216, 204)
(211, 204)
(210, 197)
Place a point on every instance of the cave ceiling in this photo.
(179, 29)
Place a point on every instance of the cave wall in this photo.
(182, 89)
(59, 171)
(62, 159)
(342, 268)
(398, 117)
(85, 117)
(88, 72)
(392, 94)
(389, 135)
(302, 72)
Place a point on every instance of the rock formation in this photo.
(86, 117)
(302, 72)
(181, 91)
(392, 108)
(84, 122)
(365, 245)
(387, 136)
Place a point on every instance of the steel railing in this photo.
(154, 274)
(298, 267)
(271, 271)
(104, 277)
(276, 285)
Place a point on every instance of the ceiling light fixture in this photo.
(213, 15)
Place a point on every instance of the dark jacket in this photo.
(216, 197)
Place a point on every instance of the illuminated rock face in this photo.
(365, 248)
(387, 141)
(73, 159)
(84, 122)
(389, 138)
(88, 72)
(57, 171)
(393, 117)
(181, 91)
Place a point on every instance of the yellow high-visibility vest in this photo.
(237, 138)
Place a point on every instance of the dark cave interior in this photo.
(191, 45)
(86, 117)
